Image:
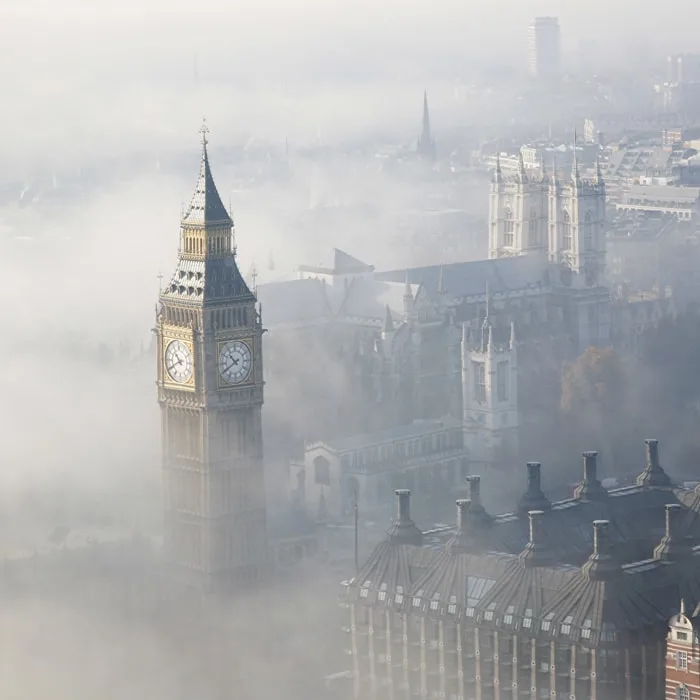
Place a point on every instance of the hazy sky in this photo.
(86, 75)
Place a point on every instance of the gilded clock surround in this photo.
(250, 376)
(170, 334)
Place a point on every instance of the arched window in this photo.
(322, 471)
(566, 231)
(682, 693)
(587, 232)
(533, 230)
(509, 230)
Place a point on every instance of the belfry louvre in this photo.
(567, 599)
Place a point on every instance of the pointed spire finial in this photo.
(204, 130)
(497, 173)
(388, 321)
(682, 606)
(441, 280)
(574, 164)
(598, 171)
(486, 335)
(512, 335)
(521, 166)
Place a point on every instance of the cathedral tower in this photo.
(210, 389)
(577, 225)
(517, 213)
(577, 246)
(490, 393)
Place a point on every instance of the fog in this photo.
(101, 107)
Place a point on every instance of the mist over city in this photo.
(350, 352)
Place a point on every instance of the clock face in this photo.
(235, 362)
(178, 362)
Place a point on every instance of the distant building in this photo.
(544, 47)
(681, 202)
(683, 68)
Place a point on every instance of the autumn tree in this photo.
(596, 401)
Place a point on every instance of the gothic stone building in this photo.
(566, 599)
(394, 344)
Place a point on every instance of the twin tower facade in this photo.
(542, 214)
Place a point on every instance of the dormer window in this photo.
(547, 622)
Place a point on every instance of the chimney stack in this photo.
(590, 489)
(463, 506)
(600, 564)
(464, 538)
(536, 552)
(474, 489)
(652, 449)
(403, 503)
(653, 474)
(673, 546)
(477, 512)
(533, 498)
(533, 476)
(403, 530)
(601, 541)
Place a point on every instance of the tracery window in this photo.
(509, 230)
(533, 230)
(587, 232)
(566, 231)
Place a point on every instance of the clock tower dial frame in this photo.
(215, 531)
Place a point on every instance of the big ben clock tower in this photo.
(210, 390)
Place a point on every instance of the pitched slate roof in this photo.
(473, 278)
(494, 574)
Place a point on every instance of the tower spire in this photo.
(426, 145)
(206, 207)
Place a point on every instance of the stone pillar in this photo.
(441, 657)
(423, 669)
(477, 664)
(370, 645)
(389, 667)
(355, 654)
(496, 666)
